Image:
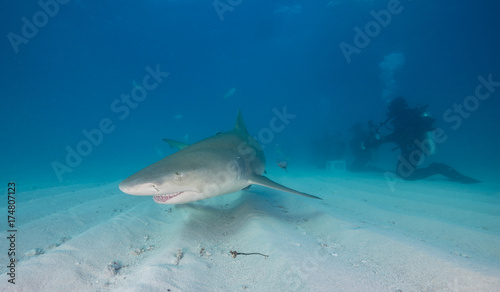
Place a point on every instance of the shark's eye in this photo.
(178, 176)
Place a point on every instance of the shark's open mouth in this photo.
(164, 198)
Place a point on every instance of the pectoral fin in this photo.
(264, 181)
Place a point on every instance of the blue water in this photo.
(63, 77)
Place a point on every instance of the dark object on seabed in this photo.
(234, 253)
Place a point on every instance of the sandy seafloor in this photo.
(430, 235)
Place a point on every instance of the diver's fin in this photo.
(454, 175)
(176, 144)
(264, 181)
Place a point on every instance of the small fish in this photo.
(230, 93)
(282, 163)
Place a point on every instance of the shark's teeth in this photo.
(164, 198)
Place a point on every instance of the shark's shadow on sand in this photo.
(207, 221)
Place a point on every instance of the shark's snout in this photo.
(133, 186)
(138, 189)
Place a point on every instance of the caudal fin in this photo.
(264, 181)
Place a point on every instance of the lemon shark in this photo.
(218, 165)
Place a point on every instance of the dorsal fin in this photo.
(176, 144)
(240, 124)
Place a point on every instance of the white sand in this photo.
(423, 236)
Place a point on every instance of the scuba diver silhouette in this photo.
(411, 130)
